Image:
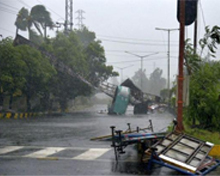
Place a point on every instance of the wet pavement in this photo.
(66, 140)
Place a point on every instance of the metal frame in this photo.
(203, 171)
(120, 139)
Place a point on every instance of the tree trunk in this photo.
(28, 98)
(10, 101)
(17, 30)
(1, 101)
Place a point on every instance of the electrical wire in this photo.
(3, 9)
(136, 60)
(143, 40)
(135, 43)
(203, 16)
(7, 30)
(22, 2)
(51, 10)
(135, 51)
(14, 8)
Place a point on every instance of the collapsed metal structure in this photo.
(174, 150)
(137, 98)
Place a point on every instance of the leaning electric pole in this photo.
(68, 16)
(80, 19)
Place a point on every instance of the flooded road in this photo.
(75, 129)
(66, 141)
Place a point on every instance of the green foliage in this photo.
(38, 17)
(78, 50)
(38, 71)
(191, 59)
(204, 93)
(11, 69)
(95, 57)
(204, 104)
(210, 40)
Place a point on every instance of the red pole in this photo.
(180, 126)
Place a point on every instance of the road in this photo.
(61, 145)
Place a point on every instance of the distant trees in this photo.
(154, 84)
(38, 17)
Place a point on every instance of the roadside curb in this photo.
(25, 115)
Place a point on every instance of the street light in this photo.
(122, 70)
(141, 57)
(168, 55)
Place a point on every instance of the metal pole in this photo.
(122, 71)
(195, 36)
(180, 126)
(168, 55)
(141, 72)
(141, 57)
(168, 59)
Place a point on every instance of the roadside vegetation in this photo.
(204, 89)
(202, 115)
(29, 82)
(212, 136)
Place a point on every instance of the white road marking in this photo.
(91, 154)
(45, 152)
(10, 149)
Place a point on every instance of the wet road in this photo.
(61, 145)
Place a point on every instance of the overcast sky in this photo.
(124, 25)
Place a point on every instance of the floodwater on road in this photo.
(75, 129)
(71, 133)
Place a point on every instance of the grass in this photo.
(202, 134)
(205, 135)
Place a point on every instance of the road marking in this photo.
(10, 149)
(91, 154)
(45, 152)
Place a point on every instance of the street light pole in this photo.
(141, 57)
(122, 70)
(168, 56)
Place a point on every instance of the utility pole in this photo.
(180, 126)
(80, 19)
(168, 58)
(122, 71)
(68, 16)
(141, 57)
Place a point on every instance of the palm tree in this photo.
(38, 17)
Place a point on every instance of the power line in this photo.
(22, 2)
(135, 43)
(136, 51)
(143, 40)
(6, 30)
(203, 17)
(52, 10)
(3, 9)
(135, 60)
(9, 6)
